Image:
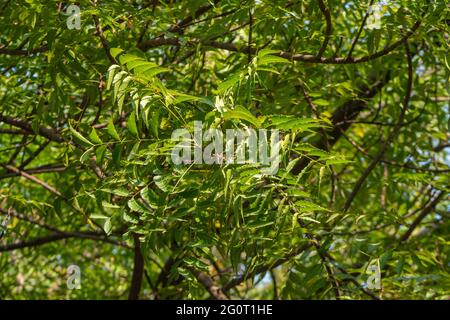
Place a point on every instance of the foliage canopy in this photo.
(86, 118)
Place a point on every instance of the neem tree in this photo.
(358, 90)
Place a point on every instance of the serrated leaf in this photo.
(107, 227)
(125, 58)
(100, 154)
(94, 137)
(151, 198)
(131, 125)
(141, 64)
(154, 71)
(112, 130)
(115, 52)
(321, 102)
(110, 205)
(243, 114)
(129, 217)
(142, 68)
(227, 84)
(161, 183)
(111, 73)
(98, 216)
(264, 52)
(86, 154)
(309, 206)
(135, 205)
(271, 59)
(79, 137)
(117, 191)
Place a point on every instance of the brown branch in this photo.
(274, 285)
(34, 179)
(352, 279)
(13, 131)
(70, 234)
(26, 126)
(215, 291)
(161, 41)
(37, 170)
(34, 243)
(50, 134)
(250, 35)
(35, 154)
(264, 268)
(13, 213)
(18, 149)
(426, 210)
(54, 237)
(391, 136)
(103, 40)
(22, 52)
(358, 34)
(348, 111)
(329, 27)
(101, 85)
(390, 162)
(178, 28)
(138, 271)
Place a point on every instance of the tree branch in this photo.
(26, 126)
(138, 271)
(228, 46)
(55, 237)
(264, 268)
(358, 34)
(215, 291)
(329, 27)
(34, 179)
(426, 210)
(391, 136)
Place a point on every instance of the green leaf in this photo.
(309, 206)
(135, 205)
(227, 84)
(242, 114)
(86, 155)
(152, 199)
(129, 218)
(111, 73)
(271, 59)
(107, 226)
(126, 58)
(116, 155)
(94, 137)
(112, 130)
(321, 102)
(267, 70)
(154, 71)
(100, 154)
(161, 183)
(98, 216)
(293, 123)
(79, 138)
(115, 52)
(117, 191)
(264, 52)
(141, 64)
(131, 125)
(109, 205)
